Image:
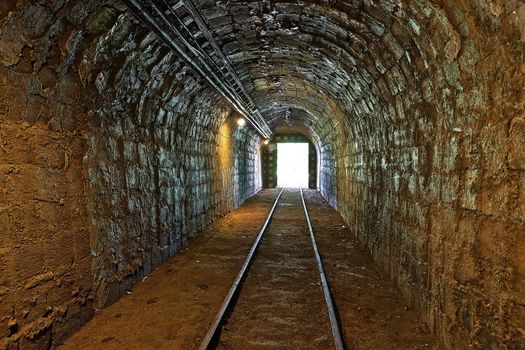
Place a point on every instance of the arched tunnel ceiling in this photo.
(353, 67)
(340, 60)
(311, 55)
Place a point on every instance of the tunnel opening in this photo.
(272, 173)
(292, 165)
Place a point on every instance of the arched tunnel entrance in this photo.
(270, 161)
(134, 175)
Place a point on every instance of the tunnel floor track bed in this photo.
(280, 302)
(281, 288)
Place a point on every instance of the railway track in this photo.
(212, 336)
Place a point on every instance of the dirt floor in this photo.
(281, 305)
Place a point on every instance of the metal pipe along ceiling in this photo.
(183, 29)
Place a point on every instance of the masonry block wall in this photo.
(113, 156)
(431, 178)
(246, 167)
(45, 255)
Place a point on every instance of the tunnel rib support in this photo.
(334, 324)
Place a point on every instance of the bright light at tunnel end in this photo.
(292, 165)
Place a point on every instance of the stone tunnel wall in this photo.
(45, 255)
(432, 178)
(246, 168)
(417, 109)
(112, 157)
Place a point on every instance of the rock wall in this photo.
(246, 166)
(432, 178)
(110, 161)
(45, 256)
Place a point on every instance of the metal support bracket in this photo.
(180, 25)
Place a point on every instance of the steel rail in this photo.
(212, 330)
(338, 341)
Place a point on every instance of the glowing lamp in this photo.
(241, 121)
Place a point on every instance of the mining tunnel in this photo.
(139, 159)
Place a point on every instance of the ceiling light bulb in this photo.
(241, 121)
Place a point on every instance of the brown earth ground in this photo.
(281, 305)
